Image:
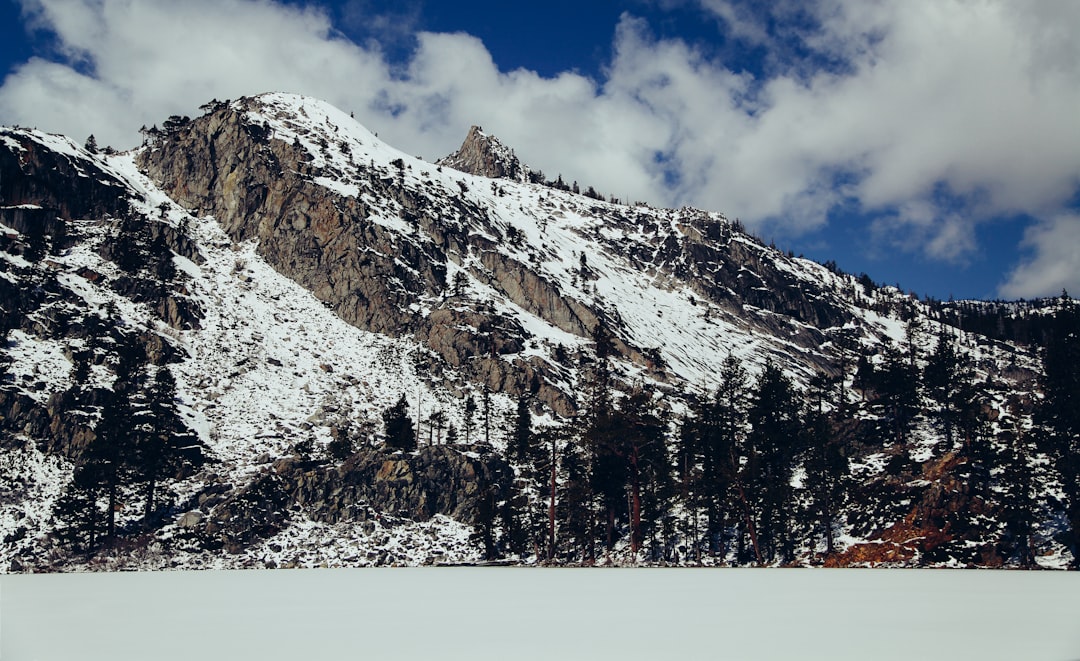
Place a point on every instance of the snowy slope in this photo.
(270, 366)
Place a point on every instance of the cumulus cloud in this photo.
(929, 117)
(1055, 262)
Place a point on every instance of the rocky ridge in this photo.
(321, 273)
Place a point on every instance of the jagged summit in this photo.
(484, 155)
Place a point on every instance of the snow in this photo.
(39, 365)
(11, 143)
(475, 614)
(270, 366)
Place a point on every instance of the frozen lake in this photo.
(522, 614)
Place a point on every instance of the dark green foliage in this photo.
(470, 411)
(78, 513)
(163, 444)
(343, 444)
(1059, 415)
(519, 447)
(774, 442)
(897, 387)
(1018, 498)
(108, 458)
(942, 378)
(399, 430)
(574, 504)
(712, 444)
(129, 249)
(139, 443)
(827, 473)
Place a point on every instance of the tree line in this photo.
(760, 471)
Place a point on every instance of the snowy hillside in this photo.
(298, 277)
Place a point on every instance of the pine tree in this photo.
(485, 401)
(400, 434)
(342, 445)
(774, 441)
(470, 411)
(897, 385)
(607, 468)
(574, 502)
(1019, 505)
(1059, 413)
(644, 449)
(78, 513)
(827, 469)
(689, 476)
(108, 457)
(940, 377)
(163, 445)
(520, 445)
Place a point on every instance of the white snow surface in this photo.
(476, 614)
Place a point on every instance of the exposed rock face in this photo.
(378, 278)
(462, 482)
(483, 155)
(64, 186)
(261, 188)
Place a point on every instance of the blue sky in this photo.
(930, 143)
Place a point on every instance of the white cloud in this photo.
(962, 111)
(1055, 264)
(147, 60)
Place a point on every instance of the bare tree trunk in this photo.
(551, 505)
(829, 547)
(749, 523)
(635, 513)
(150, 497)
(110, 520)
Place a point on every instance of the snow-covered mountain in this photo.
(298, 277)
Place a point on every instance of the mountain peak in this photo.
(484, 155)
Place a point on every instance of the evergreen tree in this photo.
(1018, 497)
(607, 468)
(342, 445)
(5, 359)
(470, 411)
(163, 445)
(79, 513)
(689, 476)
(1059, 413)
(132, 238)
(775, 441)
(723, 428)
(108, 457)
(574, 502)
(522, 519)
(941, 376)
(520, 445)
(400, 433)
(897, 385)
(485, 402)
(827, 472)
(644, 449)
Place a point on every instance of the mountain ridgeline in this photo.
(266, 338)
